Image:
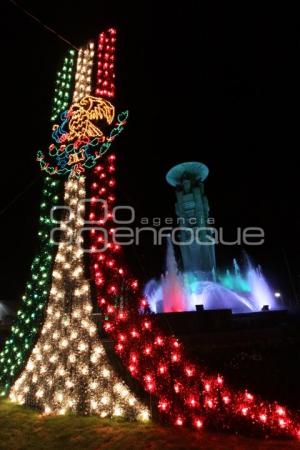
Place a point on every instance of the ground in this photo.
(22, 429)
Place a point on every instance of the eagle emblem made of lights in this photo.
(85, 133)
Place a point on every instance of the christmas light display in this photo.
(83, 134)
(83, 76)
(63, 86)
(183, 392)
(105, 64)
(68, 369)
(80, 126)
(26, 326)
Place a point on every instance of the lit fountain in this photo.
(200, 283)
(177, 291)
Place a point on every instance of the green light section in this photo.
(62, 93)
(234, 281)
(29, 317)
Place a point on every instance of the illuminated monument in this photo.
(198, 282)
(193, 211)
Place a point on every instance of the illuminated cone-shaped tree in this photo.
(68, 369)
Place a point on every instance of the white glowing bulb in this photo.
(74, 335)
(30, 366)
(59, 396)
(99, 350)
(93, 385)
(94, 404)
(64, 343)
(76, 313)
(66, 321)
(105, 399)
(118, 411)
(47, 410)
(144, 415)
(53, 358)
(105, 373)
(61, 372)
(92, 330)
(87, 306)
(85, 370)
(94, 358)
(85, 323)
(39, 393)
(72, 358)
(131, 401)
(82, 346)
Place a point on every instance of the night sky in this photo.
(202, 82)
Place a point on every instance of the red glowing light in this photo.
(162, 369)
(210, 403)
(198, 423)
(176, 388)
(158, 341)
(280, 411)
(179, 421)
(175, 357)
(226, 399)
(163, 405)
(189, 371)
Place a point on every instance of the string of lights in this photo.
(68, 370)
(29, 316)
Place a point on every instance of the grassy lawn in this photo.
(23, 428)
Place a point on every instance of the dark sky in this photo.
(202, 82)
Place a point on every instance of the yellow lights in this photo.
(85, 117)
(68, 356)
(83, 76)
